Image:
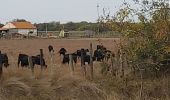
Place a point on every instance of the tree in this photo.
(19, 20)
(1, 25)
(144, 40)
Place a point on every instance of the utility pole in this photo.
(46, 29)
(98, 20)
(98, 12)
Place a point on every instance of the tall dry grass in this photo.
(20, 85)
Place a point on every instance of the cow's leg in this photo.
(18, 62)
(1, 71)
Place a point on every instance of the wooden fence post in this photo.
(71, 63)
(31, 65)
(113, 69)
(91, 61)
(41, 61)
(82, 64)
(121, 63)
(41, 58)
(52, 65)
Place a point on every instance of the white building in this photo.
(23, 28)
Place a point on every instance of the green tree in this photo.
(144, 40)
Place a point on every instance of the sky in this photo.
(39, 11)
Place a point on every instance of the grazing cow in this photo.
(99, 55)
(78, 52)
(86, 59)
(83, 51)
(4, 60)
(50, 48)
(108, 54)
(23, 59)
(36, 60)
(66, 58)
(101, 47)
(62, 51)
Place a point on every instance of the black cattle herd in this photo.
(100, 54)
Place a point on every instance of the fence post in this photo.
(113, 71)
(41, 61)
(31, 65)
(71, 63)
(41, 58)
(52, 65)
(82, 63)
(91, 61)
(121, 63)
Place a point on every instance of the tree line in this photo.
(72, 26)
(69, 26)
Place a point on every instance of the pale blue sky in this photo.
(55, 10)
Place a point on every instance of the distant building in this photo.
(63, 34)
(22, 28)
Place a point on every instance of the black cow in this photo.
(108, 54)
(86, 59)
(23, 59)
(83, 51)
(101, 47)
(66, 58)
(50, 48)
(4, 60)
(78, 52)
(62, 51)
(99, 55)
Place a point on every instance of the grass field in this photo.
(58, 83)
(18, 83)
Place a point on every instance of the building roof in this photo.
(23, 25)
(3, 29)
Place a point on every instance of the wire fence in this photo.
(70, 34)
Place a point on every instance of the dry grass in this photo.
(56, 87)
(20, 84)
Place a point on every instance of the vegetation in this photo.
(1, 25)
(146, 39)
(144, 44)
(71, 26)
